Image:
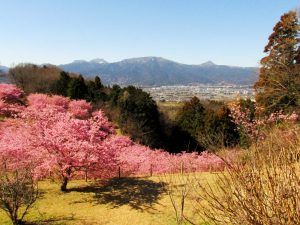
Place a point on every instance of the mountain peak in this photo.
(144, 59)
(79, 61)
(208, 63)
(3, 69)
(100, 61)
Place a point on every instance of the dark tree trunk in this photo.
(65, 179)
(13, 215)
(63, 186)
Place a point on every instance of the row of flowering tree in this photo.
(66, 137)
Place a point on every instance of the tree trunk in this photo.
(63, 186)
(13, 215)
(14, 219)
(65, 179)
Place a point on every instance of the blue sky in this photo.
(229, 32)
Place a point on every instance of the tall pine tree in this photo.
(61, 85)
(77, 88)
(278, 87)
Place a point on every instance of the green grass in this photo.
(126, 201)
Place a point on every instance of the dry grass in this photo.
(170, 109)
(128, 201)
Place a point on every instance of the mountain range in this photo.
(157, 71)
(3, 69)
(3, 77)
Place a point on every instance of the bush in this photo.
(18, 192)
(264, 190)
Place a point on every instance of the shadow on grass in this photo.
(137, 193)
(53, 220)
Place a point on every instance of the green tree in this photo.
(219, 130)
(278, 86)
(99, 91)
(114, 94)
(77, 88)
(139, 116)
(98, 83)
(191, 117)
(61, 85)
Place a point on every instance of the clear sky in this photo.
(229, 32)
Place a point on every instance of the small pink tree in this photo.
(10, 99)
(19, 169)
(10, 93)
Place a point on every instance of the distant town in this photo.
(213, 92)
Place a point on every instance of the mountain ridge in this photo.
(158, 71)
(4, 69)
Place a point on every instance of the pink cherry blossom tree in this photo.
(10, 99)
(10, 92)
(66, 134)
(74, 144)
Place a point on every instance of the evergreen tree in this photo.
(114, 95)
(278, 86)
(95, 91)
(91, 91)
(98, 84)
(99, 92)
(139, 116)
(61, 85)
(77, 88)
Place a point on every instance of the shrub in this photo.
(18, 192)
(265, 190)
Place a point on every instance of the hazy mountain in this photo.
(3, 75)
(99, 61)
(3, 69)
(148, 71)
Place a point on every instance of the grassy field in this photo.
(125, 201)
(170, 109)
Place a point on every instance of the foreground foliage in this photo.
(264, 190)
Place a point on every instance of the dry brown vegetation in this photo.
(264, 190)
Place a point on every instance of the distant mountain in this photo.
(99, 61)
(208, 63)
(3, 75)
(4, 69)
(156, 71)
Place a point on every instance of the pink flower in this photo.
(9, 92)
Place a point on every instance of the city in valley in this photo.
(213, 92)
